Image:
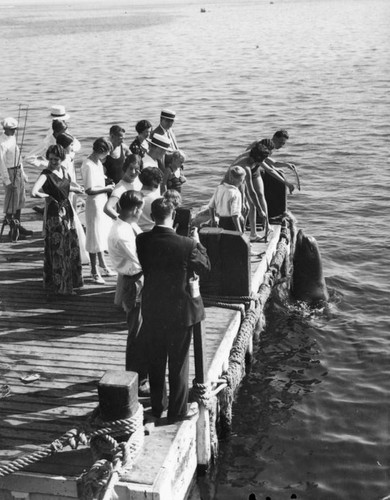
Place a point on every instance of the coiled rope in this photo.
(77, 436)
(99, 482)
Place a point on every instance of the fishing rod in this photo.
(25, 109)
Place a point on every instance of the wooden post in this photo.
(203, 443)
(118, 395)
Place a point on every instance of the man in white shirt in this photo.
(13, 177)
(37, 156)
(151, 178)
(123, 254)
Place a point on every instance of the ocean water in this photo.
(312, 417)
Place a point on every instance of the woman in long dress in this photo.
(67, 141)
(97, 222)
(62, 271)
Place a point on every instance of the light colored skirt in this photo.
(98, 224)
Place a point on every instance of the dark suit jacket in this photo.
(168, 261)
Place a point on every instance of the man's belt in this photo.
(15, 167)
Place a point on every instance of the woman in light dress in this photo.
(98, 224)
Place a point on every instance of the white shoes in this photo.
(98, 279)
(106, 271)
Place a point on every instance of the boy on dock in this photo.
(226, 205)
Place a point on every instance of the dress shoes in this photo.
(38, 210)
(25, 232)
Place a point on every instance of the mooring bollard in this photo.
(118, 395)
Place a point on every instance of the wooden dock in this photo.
(70, 343)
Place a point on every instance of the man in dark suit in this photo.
(169, 310)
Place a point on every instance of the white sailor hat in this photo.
(58, 112)
(160, 141)
(9, 123)
(168, 114)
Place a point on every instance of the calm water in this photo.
(312, 419)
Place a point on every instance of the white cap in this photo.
(10, 123)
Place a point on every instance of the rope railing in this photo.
(227, 385)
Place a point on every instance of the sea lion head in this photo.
(308, 283)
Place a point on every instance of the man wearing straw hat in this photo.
(37, 156)
(159, 145)
(59, 117)
(165, 129)
(13, 177)
(167, 118)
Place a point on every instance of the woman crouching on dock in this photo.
(62, 266)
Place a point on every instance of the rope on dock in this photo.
(126, 451)
(100, 480)
(224, 305)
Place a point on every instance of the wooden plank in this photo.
(71, 343)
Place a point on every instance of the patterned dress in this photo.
(62, 270)
(138, 148)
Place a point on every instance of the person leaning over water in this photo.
(140, 144)
(123, 254)
(279, 139)
(62, 265)
(226, 204)
(252, 161)
(97, 223)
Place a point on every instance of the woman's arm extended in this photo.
(269, 166)
(35, 192)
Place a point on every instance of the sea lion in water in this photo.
(308, 283)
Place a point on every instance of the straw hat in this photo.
(58, 112)
(168, 114)
(161, 141)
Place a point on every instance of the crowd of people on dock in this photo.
(132, 197)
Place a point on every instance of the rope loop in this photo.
(56, 446)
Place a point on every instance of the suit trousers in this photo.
(172, 343)
(136, 351)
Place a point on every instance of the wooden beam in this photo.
(203, 441)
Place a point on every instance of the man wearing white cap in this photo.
(37, 156)
(13, 178)
(59, 117)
